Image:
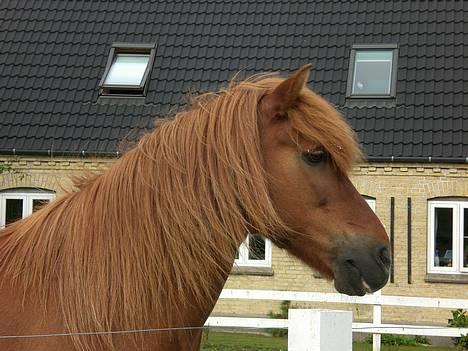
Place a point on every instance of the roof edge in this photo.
(85, 153)
(417, 159)
(82, 153)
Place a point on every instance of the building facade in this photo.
(409, 191)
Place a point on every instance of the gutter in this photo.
(417, 159)
(84, 153)
(51, 153)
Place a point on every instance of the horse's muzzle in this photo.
(362, 269)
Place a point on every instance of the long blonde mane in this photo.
(163, 223)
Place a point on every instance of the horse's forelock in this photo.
(317, 121)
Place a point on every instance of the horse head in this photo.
(308, 149)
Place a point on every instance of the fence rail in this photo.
(369, 328)
(383, 300)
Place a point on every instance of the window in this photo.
(372, 71)
(370, 202)
(254, 251)
(448, 237)
(16, 204)
(128, 69)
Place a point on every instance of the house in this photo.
(394, 69)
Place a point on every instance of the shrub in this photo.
(282, 314)
(459, 320)
(397, 340)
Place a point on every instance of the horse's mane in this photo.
(158, 227)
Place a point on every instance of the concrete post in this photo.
(320, 330)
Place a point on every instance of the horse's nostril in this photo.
(351, 263)
(383, 256)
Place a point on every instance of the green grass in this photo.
(217, 341)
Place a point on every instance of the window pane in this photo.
(14, 210)
(38, 204)
(465, 237)
(372, 72)
(127, 69)
(256, 247)
(443, 236)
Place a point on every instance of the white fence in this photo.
(376, 300)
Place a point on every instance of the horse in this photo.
(135, 257)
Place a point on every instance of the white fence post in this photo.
(377, 320)
(320, 330)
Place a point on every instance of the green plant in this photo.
(394, 340)
(5, 168)
(282, 314)
(422, 340)
(459, 320)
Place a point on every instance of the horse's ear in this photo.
(286, 93)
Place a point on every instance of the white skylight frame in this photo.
(392, 75)
(128, 50)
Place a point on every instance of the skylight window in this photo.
(128, 70)
(372, 72)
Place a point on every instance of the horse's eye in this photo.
(315, 157)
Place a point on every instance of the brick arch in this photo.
(29, 180)
(448, 187)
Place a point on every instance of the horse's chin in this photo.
(350, 280)
(352, 284)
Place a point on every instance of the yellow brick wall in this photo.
(46, 172)
(381, 181)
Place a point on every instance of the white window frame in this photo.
(457, 207)
(244, 261)
(26, 196)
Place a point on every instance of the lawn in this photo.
(217, 341)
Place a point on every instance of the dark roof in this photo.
(53, 54)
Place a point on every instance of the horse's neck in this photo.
(196, 314)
